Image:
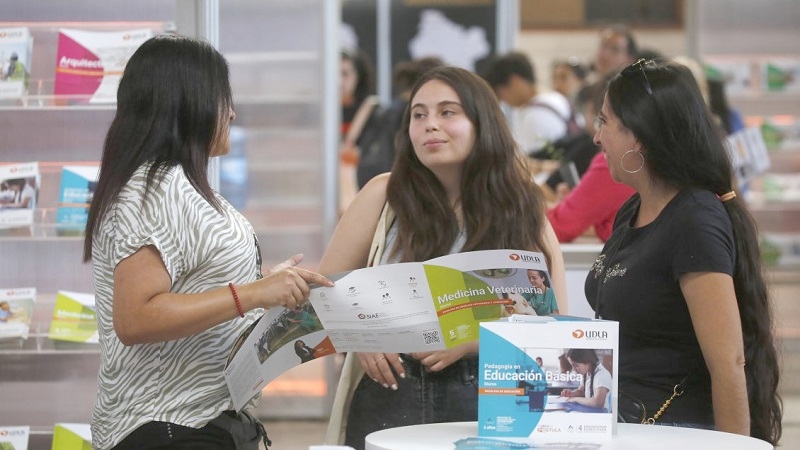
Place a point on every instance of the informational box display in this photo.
(14, 438)
(19, 190)
(406, 307)
(16, 49)
(78, 184)
(16, 311)
(90, 63)
(526, 394)
(72, 436)
(74, 318)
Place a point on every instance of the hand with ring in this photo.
(383, 368)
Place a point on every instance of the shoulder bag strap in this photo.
(352, 372)
(551, 109)
(360, 119)
(379, 239)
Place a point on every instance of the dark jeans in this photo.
(222, 433)
(450, 395)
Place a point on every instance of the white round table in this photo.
(629, 437)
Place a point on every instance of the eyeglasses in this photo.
(637, 67)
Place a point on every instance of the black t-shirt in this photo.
(641, 268)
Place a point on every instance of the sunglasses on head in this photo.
(638, 67)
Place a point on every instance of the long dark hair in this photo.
(170, 100)
(684, 148)
(364, 70)
(496, 186)
(585, 356)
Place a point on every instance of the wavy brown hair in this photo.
(503, 208)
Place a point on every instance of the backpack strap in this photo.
(360, 119)
(549, 108)
(569, 121)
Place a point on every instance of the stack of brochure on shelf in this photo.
(74, 318)
(19, 190)
(90, 63)
(14, 438)
(16, 47)
(780, 74)
(16, 311)
(78, 184)
(72, 436)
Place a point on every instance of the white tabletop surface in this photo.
(629, 437)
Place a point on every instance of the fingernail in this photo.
(386, 386)
(394, 387)
(403, 375)
(400, 359)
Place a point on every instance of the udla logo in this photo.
(513, 257)
(577, 334)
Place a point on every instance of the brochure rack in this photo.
(278, 142)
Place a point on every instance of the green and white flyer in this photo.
(407, 307)
(72, 436)
(74, 318)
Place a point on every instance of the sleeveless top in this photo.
(391, 237)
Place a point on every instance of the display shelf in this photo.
(45, 389)
(49, 103)
(43, 229)
(766, 103)
(770, 98)
(785, 160)
(38, 342)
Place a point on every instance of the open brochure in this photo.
(406, 307)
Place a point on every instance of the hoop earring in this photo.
(622, 161)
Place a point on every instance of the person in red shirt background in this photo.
(594, 201)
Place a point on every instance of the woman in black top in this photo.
(682, 270)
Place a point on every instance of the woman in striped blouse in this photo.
(177, 269)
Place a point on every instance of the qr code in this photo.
(431, 337)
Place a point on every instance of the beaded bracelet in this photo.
(236, 300)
